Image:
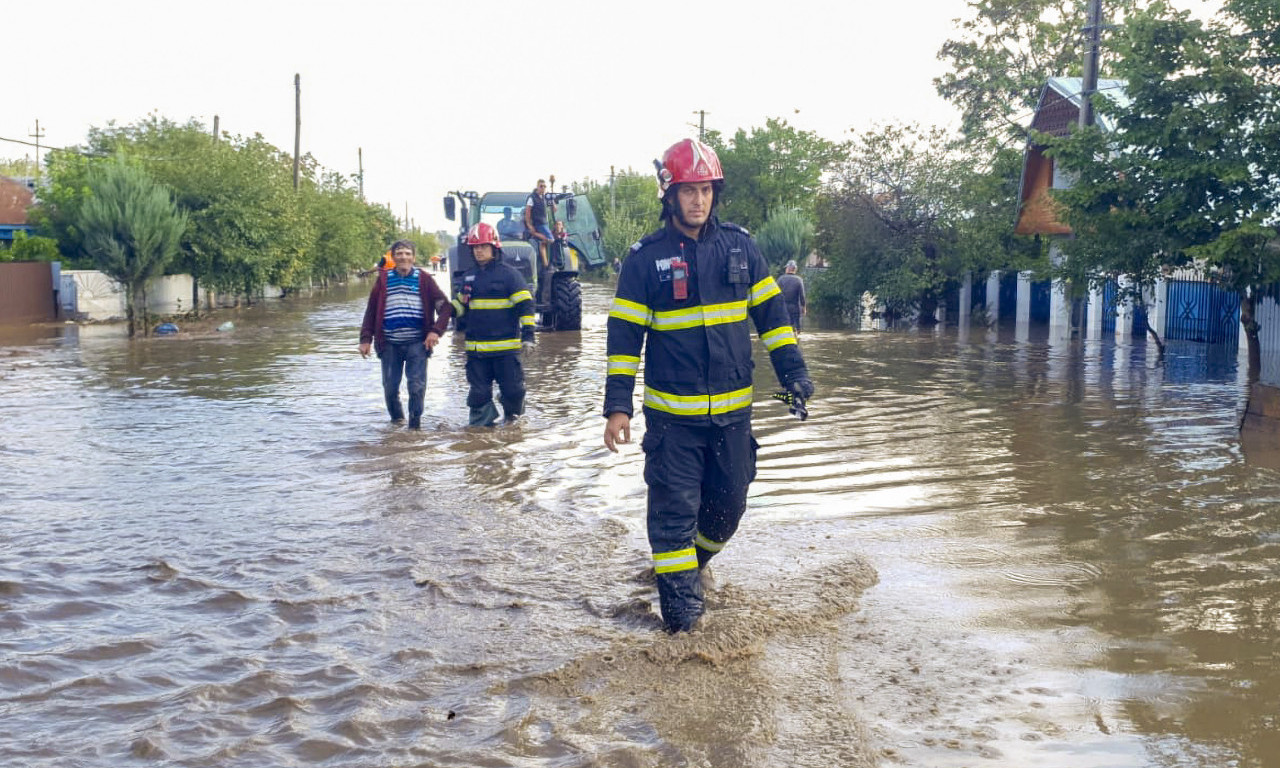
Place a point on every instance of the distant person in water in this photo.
(792, 286)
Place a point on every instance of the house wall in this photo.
(1038, 215)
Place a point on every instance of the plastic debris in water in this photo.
(227, 326)
(165, 329)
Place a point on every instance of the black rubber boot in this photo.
(680, 599)
(484, 416)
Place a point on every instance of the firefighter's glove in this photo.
(801, 388)
(795, 404)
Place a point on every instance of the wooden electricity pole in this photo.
(215, 128)
(1089, 86)
(702, 122)
(360, 175)
(297, 126)
(39, 134)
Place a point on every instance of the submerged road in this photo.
(214, 550)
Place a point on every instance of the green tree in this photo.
(785, 236)
(248, 227)
(908, 215)
(1004, 54)
(899, 181)
(131, 228)
(772, 168)
(427, 243)
(349, 234)
(57, 213)
(1189, 174)
(17, 168)
(628, 210)
(28, 248)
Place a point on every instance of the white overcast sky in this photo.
(473, 95)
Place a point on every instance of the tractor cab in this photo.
(556, 290)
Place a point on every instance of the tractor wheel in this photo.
(566, 302)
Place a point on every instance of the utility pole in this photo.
(360, 175)
(702, 122)
(215, 129)
(613, 198)
(297, 126)
(39, 134)
(1093, 34)
(406, 215)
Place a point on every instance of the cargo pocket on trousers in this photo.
(652, 447)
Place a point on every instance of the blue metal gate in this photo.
(1109, 292)
(1041, 291)
(1202, 312)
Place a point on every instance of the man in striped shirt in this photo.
(406, 315)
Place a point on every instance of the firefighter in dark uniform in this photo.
(688, 295)
(495, 304)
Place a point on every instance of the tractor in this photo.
(556, 291)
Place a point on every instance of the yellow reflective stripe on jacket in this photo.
(526, 319)
(492, 304)
(627, 365)
(763, 291)
(458, 307)
(500, 345)
(680, 560)
(697, 405)
(707, 544)
(707, 314)
(779, 337)
(631, 312)
(519, 296)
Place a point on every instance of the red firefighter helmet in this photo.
(688, 160)
(483, 234)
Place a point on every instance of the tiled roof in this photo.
(15, 198)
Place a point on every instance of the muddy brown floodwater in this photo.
(214, 551)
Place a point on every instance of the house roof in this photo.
(1061, 100)
(1056, 114)
(15, 199)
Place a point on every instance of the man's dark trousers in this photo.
(410, 361)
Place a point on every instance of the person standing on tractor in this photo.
(497, 307)
(535, 220)
(405, 317)
(560, 252)
(685, 296)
